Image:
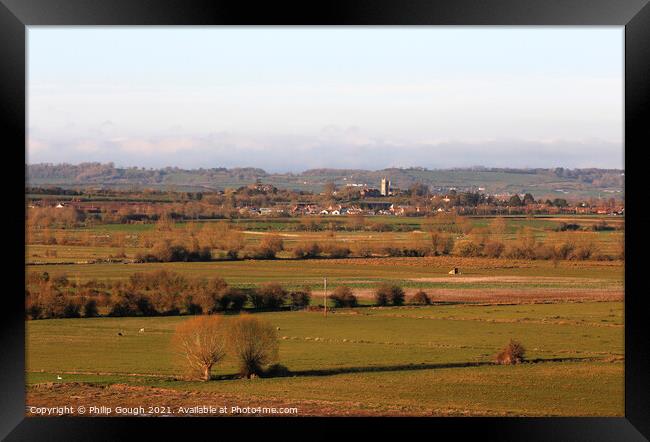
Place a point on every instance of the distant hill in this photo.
(578, 183)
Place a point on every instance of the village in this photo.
(265, 200)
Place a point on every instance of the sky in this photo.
(289, 99)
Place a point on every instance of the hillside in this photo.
(541, 182)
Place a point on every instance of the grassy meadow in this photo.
(435, 360)
(432, 360)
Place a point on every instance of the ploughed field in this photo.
(433, 360)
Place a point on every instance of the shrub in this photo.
(563, 227)
(493, 249)
(237, 299)
(144, 306)
(421, 298)
(515, 251)
(33, 310)
(339, 252)
(300, 298)
(260, 253)
(270, 245)
(222, 301)
(166, 251)
(396, 295)
(256, 299)
(120, 309)
(513, 353)
(343, 297)
(413, 252)
(53, 302)
(273, 295)
(563, 250)
(90, 309)
(129, 303)
(33, 307)
(254, 343)
(307, 250)
(202, 343)
(386, 293)
(391, 251)
(381, 295)
(601, 226)
(469, 249)
(394, 250)
(166, 301)
(191, 307)
(583, 251)
(71, 309)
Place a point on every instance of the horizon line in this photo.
(424, 168)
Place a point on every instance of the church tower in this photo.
(385, 186)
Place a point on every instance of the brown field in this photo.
(127, 396)
(162, 401)
(504, 296)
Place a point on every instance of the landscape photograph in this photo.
(324, 221)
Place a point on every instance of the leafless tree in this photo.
(202, 342)
(254, 343)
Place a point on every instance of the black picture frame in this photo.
(634, 15)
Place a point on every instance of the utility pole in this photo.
(325, 296)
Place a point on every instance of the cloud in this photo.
(331, 147)
(86, 146)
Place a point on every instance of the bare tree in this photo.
(254, 344)
(272, 242)
(202, 342)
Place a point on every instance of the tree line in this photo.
(151, 294)
(164, 293)
(444, 234)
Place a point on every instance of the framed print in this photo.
(423, 217)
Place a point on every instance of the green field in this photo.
(423, 360)
(410, 360)
(366, 272)
(412, 233)
(514, 222)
